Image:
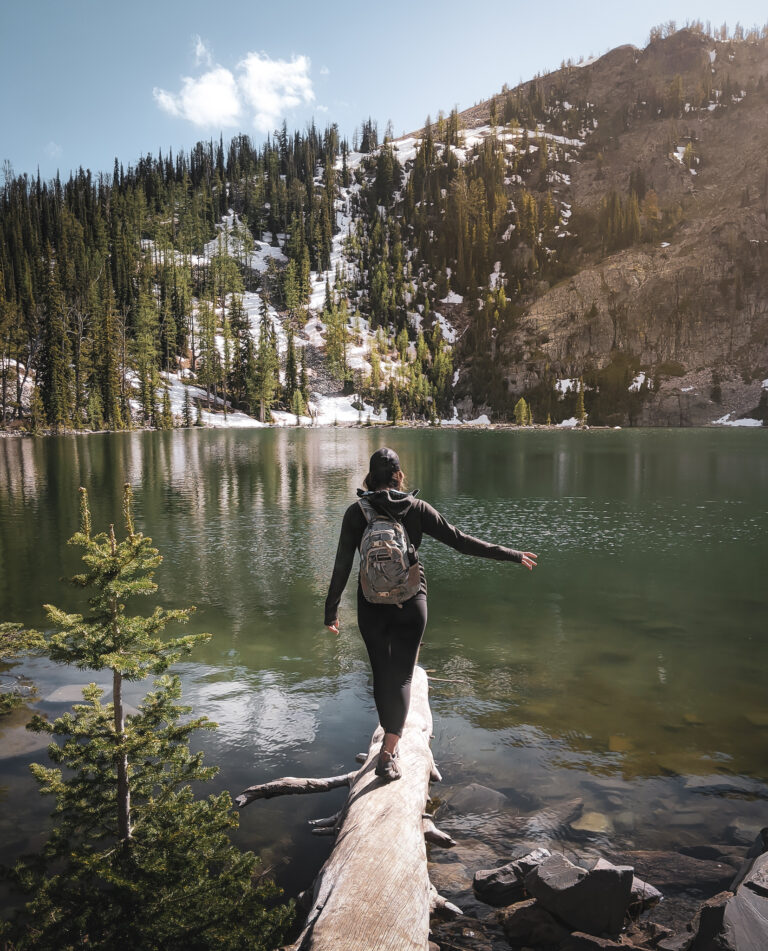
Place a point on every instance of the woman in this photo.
(393, 632)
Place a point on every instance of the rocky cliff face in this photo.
(691, 311)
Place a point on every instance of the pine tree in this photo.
(146, 353)
(55, 371)
(337, 340)
(291, 296)
(581, 413)
(375, 381)
(297, 406)
(186, 414)
(521, 412)
(134, 860)
(95, 412)
(291, 382)
(242, 348)
(225, 360)
(266, 369)
(38, 421)
(208, 364)
(304, 377)
(396, 412)
(402, 344)
(106, 376)
(166, 416)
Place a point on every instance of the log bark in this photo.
(373, 893)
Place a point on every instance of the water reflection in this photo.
(632, 659)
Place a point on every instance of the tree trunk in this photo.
(374, 893)
(123, 790)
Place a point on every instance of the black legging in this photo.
(392, 636)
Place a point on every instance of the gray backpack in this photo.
(389, 565)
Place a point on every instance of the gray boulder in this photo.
(759, 847)
(711, 920)
(737, 922)
(595, 902)
(527, 924)
(642, 895)
(506, 885)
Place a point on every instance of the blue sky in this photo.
(83, 81)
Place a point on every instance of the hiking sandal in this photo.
(387, 767)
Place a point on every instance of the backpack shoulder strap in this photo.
(368, 510)
(372, 513)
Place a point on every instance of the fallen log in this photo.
(373, 893)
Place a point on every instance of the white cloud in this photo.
(218, 98)
(271, 86)
(210, 100)
(202, 53)
(324, 71)
(53, 149)
(322, 108)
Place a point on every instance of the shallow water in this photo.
(627, 670)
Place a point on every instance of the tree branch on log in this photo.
(292, 786)
(433, 835)
(442, 907)
(325, 823)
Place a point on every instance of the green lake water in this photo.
(629, 669)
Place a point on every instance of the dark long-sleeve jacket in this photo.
(418, 518)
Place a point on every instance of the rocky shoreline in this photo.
(411, 424)
(550, 894)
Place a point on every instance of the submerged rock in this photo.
(73, 693)
(477, 798)
(595, 902)
(19, 741)
(673, 872)
(617, 743)
(592, 823)
(743, 831)
(720, 785)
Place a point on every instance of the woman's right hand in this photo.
(529, 560)
(334, 627)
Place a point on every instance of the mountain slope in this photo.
(691, 310)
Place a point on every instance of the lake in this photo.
(628, 670)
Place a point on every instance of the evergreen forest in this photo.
(248, 275)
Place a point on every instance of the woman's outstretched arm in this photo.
(352, 527)
(433, 523)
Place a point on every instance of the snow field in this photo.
(727, 421)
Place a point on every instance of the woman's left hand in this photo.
(529, 560)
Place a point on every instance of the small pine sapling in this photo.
(135, 859)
